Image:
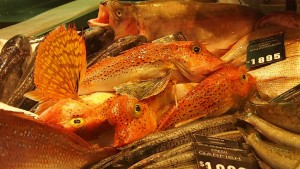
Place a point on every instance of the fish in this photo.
(189, 61)
(131, 119)
(270, 131)
(118, 46)
(283, 114)
(287, 19)
(274, 79)
(215, 95)
(165, 140)
(276, 156)
(57, 76)
(237, 54)
(177, 160)
(43, 146)
(162, 155)
(97, 39)
(217, 25)
(12, 56)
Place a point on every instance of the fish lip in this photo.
(102, 18)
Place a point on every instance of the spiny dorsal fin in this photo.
(60, 66)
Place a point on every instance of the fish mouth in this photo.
(102, 19)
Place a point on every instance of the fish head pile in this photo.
(76, 116)
(118, 16)
(131, 118)
(194, 61)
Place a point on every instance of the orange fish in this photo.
(60, 68)
(189, 61)
(214, 95)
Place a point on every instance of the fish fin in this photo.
(146, 88)
(223, 108)
(186, 73)
(185, 122)
(60, 66)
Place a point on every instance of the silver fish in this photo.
(276, 156)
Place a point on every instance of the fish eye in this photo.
(137, 110)
(119, 13)
(77, 122)
(244, 77)
(196, 49)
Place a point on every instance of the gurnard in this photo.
(215, 95)
(27, 143)
(217, 25)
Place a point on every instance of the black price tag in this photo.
(265, 51)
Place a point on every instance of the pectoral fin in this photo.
(146, 88)
(59, 68)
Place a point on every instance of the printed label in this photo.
(265, 51)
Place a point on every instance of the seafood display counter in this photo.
(152, 84)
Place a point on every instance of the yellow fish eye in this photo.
(119, 13)
(77, 122)
(196, 49)
(137, 111)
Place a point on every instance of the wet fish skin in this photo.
(162, 155)
(97, 38)
(287, 18)
(117, 47)
(271, 131)
(13, 54)
(179, 159)
(285, 114)
(276, 156)
(215, 95)
(43, 146)
(216, 24)
(189, 59)
(161, 141)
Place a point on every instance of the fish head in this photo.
(131, 118)
(120, 16)
(195, 62)
(75, 116)
(244, 83)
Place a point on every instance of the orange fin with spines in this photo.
(60, 66)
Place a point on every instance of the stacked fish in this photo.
(144, 98)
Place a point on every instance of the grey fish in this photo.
(162, 155)
(276, 156)
(161, 141)
(25, 84)
(271, 131)
(97, 38)
(233, 135)
(179, 159)
(13, 54)
(285, 114)
(117, 47)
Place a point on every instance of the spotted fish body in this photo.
(213, 96)
(190, 61)
(131, 118)
(60, 68)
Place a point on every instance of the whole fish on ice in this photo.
(217, 25)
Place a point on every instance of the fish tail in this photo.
(60, 66)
